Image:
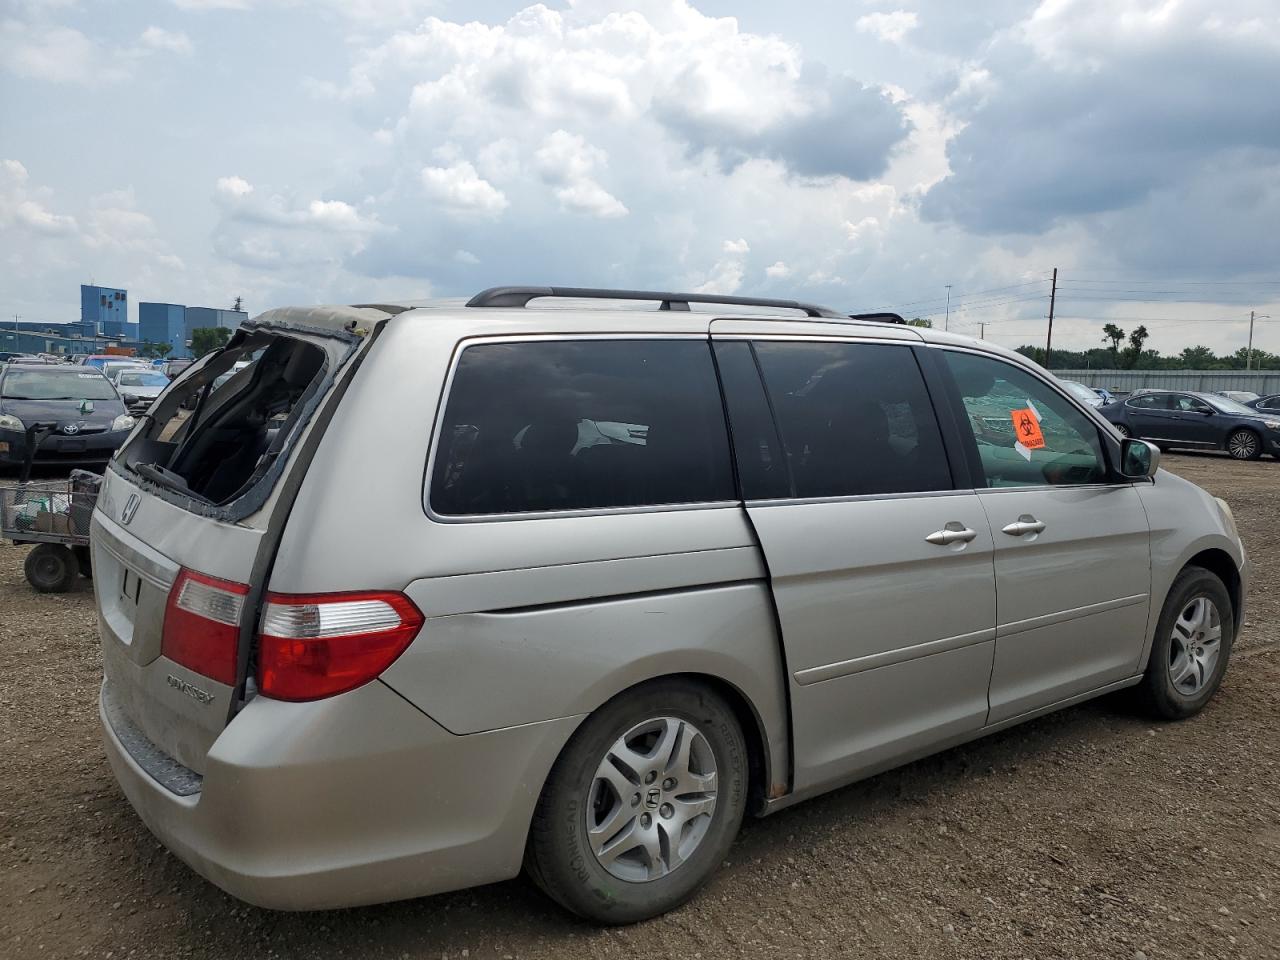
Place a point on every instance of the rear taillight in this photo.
(316, 645)
(202, 625)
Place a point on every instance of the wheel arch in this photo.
(761, 783)
(1220, 564)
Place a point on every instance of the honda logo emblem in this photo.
(130, 508)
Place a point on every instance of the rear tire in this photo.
(645, 867)
(1187, 663)
(1244, 445)
(51, 568)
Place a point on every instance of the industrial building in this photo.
(204, 317)
(104, 312)
(164, 323)
(104, 321)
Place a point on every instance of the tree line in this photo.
(1128, 351)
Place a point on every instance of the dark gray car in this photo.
(85, 418)
(1197, 421)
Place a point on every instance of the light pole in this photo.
(946, 324)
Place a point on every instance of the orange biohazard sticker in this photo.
(1026, 427)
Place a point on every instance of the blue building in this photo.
(201, 317)
(164, 323)
(104, 311)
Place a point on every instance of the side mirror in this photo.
(1139, 460)
(1208, 411)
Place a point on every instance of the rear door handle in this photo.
(953, 532)
(1023, 525)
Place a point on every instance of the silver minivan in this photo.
(425, 594)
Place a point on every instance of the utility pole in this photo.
(982, 331)
(946, 324)
(1248, 357)
(1053, 299)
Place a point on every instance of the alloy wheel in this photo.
(1196, 644)
(652, 799)
(1243, 445)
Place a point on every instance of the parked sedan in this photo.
(139, 386)
(1197, 421)
(1266, 405)
(1240, 396)
(1082, 393)
(88, 420)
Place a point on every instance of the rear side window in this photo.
(855, 418)
(585, 424)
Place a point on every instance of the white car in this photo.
(138, 385)
(1082, 393)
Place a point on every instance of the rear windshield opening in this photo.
(217, 439)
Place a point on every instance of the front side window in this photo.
(855, 418)
(1184, 404)
(1026, 432)
(581, 424)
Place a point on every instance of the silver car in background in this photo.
(428, 593)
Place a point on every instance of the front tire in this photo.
(642, 805)
(1192, 646)
(1124, 431)
(1244, 445)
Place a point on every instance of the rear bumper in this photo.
(357, 799)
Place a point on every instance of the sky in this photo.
(862, 154)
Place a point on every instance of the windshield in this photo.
(143, 379)
(29, 384)
(1227, 405)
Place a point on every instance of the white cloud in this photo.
(461, 190)
(234, 187)
(54, 54)
(890, 27)
(22, 207)
(566, 161)
(777, 271)
(157, 38)
(736, 246)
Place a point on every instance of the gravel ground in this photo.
(1091, 833)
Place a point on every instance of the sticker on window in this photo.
(1026, 428)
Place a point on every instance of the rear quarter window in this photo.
(580, 424)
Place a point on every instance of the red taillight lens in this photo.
(202, 624)
(317, 645)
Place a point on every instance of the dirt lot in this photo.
(1092, 833)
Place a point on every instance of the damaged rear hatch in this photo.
(187, 524)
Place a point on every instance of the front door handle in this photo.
(953, 532)
(1023, 525)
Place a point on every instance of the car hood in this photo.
(142, 391)
(63, 411)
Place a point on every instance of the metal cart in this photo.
(52, 514)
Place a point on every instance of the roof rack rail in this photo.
(878, 317)
(520, 297)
